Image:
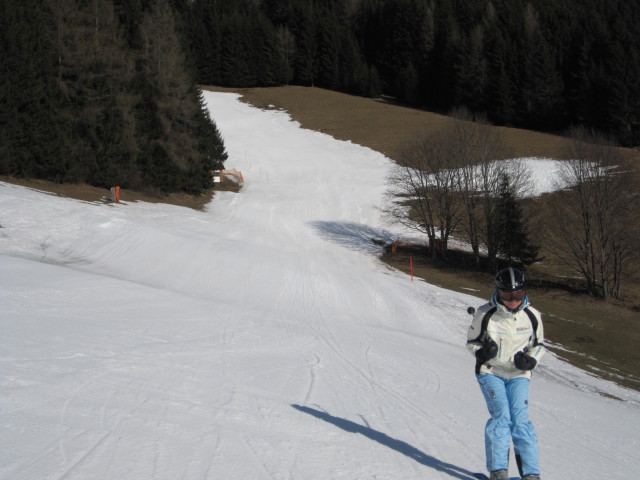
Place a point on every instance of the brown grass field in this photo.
(597, 336)
(377, 123)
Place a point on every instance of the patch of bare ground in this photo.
(90, 193)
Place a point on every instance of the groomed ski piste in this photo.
(260, 338)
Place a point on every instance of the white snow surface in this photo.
(545, 174)
(258, 339)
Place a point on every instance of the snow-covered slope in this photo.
(259, 339)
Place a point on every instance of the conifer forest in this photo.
(106, 91)
(102, 92)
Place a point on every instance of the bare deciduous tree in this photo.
(451, 180)
(426, 183)
(482, 160)
(597, 236)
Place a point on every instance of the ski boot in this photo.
(502, 474)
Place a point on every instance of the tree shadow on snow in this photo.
(392, 443)
(353, 235)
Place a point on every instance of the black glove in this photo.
(524, 361)
(488, 351)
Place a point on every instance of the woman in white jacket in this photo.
(506, 338)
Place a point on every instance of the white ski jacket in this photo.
(513, 332)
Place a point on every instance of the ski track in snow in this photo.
(258, 339)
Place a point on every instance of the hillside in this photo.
(574, 321)
(379, 124)
(257, 338)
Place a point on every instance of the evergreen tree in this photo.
(304, 29)
(329, 37)
(278, 11)
(397, 36)
(514, 244)
(499, 88)
(578, 82)
(471, 72)
(101, 92)
(540, 99)
(205, 40)
(30, 133)
(438, 88)
(623, 119)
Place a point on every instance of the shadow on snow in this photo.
(353, 235)
(392, 443)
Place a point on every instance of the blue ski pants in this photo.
(508, 404)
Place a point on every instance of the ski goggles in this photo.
(518, 296)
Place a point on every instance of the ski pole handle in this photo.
(471, 310)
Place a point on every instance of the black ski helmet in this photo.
(511, 280)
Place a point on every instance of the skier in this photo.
(506, 338)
